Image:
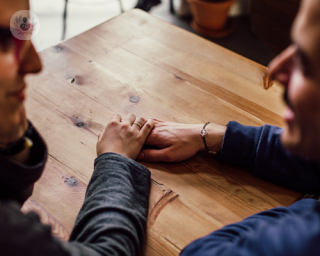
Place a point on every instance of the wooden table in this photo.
(137, 63)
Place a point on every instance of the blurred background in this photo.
(84, 14)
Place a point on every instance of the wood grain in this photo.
(138, 64)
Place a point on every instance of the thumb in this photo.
(154, 155)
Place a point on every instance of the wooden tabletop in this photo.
(138, 64)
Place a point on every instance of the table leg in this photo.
(64, 20)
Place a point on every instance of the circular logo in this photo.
(24, 25)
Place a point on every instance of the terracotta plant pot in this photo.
(210, 16)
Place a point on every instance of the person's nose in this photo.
(280, 67)
(31, 62)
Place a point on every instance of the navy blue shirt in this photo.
(285, 231)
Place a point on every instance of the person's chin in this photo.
(289, 136)
(294, 142)
(290, 139)
(15, 105)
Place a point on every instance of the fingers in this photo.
(155, 119)
(116, 117)
(130, 118)
(154, 155)
(146, 125)
(140, 121)
(146, 128)
(99, 136)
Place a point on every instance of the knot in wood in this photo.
(58, 48)
(72, 181)
(134, 99)
(80, 124)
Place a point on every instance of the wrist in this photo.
(214, 138)
(198, 138)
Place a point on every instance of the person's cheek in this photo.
(8, 65)
(8, 72)
(301, 96)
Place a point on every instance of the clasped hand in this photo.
(175, 142)
(124, 136)
(172, 142)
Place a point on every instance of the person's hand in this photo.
(123, 136)
(177, 142)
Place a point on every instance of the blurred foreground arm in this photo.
(260, 150)
(281, 231)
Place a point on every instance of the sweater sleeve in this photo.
(112, 219)
(259, 149)
(292, 231)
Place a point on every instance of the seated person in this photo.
(112, 219)
(288, 157)
(113, 216)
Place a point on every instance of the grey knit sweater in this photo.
(111, 221)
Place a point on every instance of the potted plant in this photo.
(210, 17)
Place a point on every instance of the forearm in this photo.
(113, 217)
(269, 233)
(260, 150)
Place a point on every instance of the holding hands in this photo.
(175, 142)
(172, 142)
